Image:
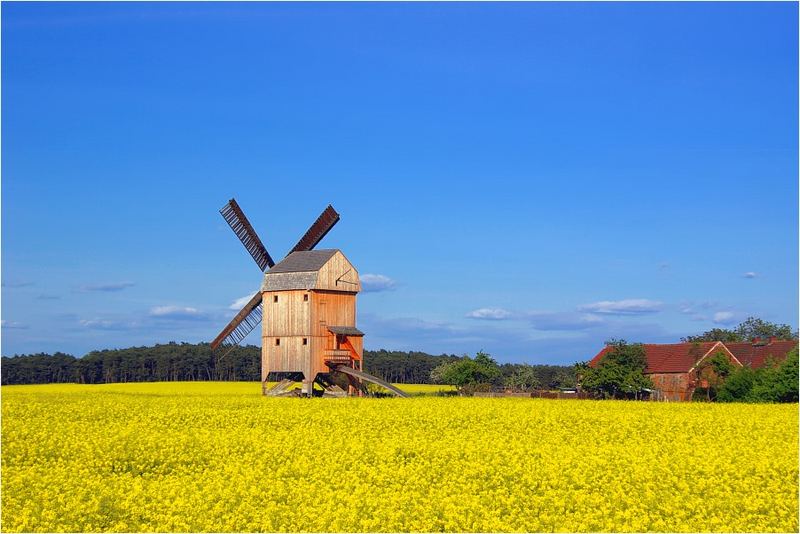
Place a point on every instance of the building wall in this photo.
(287, 319)
(303, 314)
(338, 274)
(674, 386)
(329, 308)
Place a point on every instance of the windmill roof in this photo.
(303, 262)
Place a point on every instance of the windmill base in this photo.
(357, 384)
(295, 385)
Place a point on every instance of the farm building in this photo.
(757, 353)
(676, 371)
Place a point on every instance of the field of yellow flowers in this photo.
(219, 457)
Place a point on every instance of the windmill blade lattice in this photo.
(239, 328)
(318, 230)
(251, 315)
(235, 217)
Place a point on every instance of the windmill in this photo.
(306, 305)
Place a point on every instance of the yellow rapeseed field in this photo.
(219, 457)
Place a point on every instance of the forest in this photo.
(191, 362)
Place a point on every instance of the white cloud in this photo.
(103, 324)
(493, 314)
(13, 325)
(239, 303)
(563, 321)
(697, 309)
(750, 274)
(724, 317)
(541, 320)
(116, 286)
(372, 283)
(622, 307)
(175, 312)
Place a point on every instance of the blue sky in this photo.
(526, 179)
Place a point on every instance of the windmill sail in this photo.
(321, 226)
(240, 326)
(234, 216)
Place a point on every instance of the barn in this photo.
(675, 368)
(758, 353)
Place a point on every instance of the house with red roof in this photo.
(676, 369)
(759, 352)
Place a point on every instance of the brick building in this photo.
(676, 370)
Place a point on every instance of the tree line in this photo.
(164, 362)
(483, 373)
(191, 362)
(748, 330)
(619, 375)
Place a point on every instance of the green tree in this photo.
(523, 379)
(738, 385)
(748, 330)
(787, 378)
(467, 372)
(715, 334)
(714, 370)
(775, 382)
(619, 373)
(548, 376)
(752, 328)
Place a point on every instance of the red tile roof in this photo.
(756, 355)
(681, 357)
(673, 358)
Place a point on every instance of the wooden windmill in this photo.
(307, 304)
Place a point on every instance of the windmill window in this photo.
(277, 342)
(275, 298)
(305, 341)
(305, 297)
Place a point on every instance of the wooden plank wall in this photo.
(288, 319)
(338, 274)
(674, 386)
(328, 308)
(331, 308)
(289, 316)
(290, 356)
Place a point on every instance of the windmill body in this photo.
(308, 305)
(309, 316)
